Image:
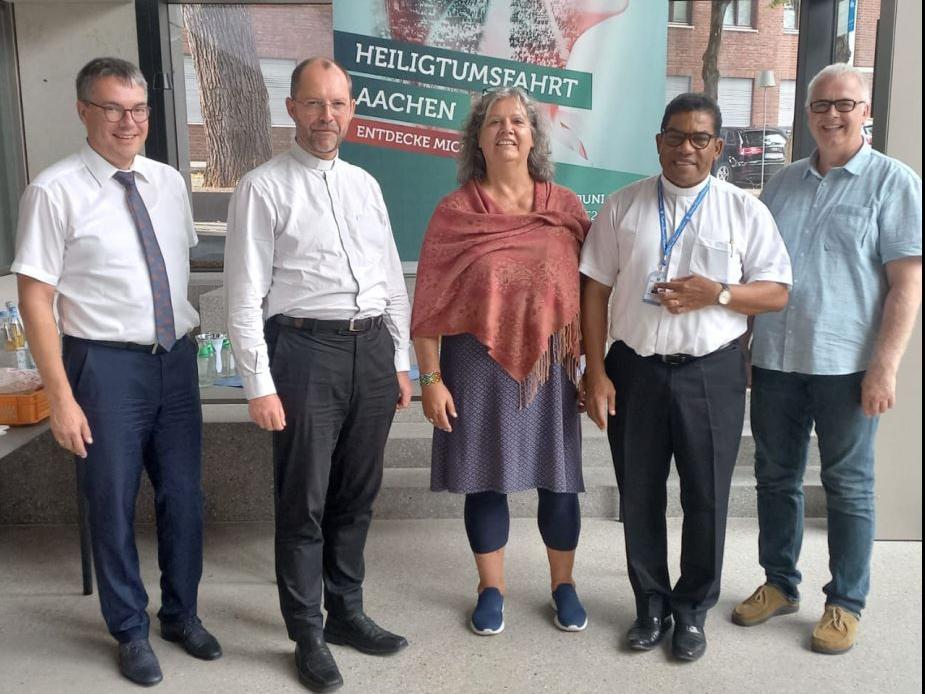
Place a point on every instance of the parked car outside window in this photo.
(740, 162)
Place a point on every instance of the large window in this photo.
(675, 85)
(12, 164)
(791, 14)
(235, 62)
(740, 14)
(786, 103)
(679, 11)
(735, 100)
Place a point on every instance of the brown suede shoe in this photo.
(836, 631)
(766, 602)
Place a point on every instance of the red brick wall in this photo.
(743, 52)
(865, 37)
(289, 31)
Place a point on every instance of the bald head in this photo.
(318, 63)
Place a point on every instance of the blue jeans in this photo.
(784, 408)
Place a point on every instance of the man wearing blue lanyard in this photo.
(685, 259)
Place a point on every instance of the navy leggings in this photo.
(488, 520)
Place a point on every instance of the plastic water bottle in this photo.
(205, 359)
(15, 337)
(217, 340)
(227, 358)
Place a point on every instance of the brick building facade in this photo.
(765, 45)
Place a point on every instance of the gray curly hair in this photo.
(471, 161)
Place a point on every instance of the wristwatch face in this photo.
(724, 297)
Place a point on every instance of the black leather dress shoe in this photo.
(688, 642)
(647, 632)
(315, 665)
(198, 642)
(362, 633)
(138, 663)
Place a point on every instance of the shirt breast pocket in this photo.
(847, 228)
(368, 234)
(713, 259)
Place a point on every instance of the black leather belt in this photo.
(353, 325)
(131, 346)
(678, 359)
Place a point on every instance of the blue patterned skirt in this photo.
(495, 445)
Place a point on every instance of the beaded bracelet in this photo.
(429, 378)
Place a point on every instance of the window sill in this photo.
(679, 25)
(744, 30)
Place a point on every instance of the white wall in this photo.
(55, 40)
(899, 442)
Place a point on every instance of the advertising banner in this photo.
(597, 66)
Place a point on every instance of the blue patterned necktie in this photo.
(160, 286)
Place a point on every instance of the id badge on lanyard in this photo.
(650, 295)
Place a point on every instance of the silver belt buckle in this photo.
(351, 326)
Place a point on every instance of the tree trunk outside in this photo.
(234, 99)
(710, 72)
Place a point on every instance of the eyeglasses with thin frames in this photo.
(114, 114)
(841, 105)
(337, 106)
(676, 138)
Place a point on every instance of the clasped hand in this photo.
(688, 293)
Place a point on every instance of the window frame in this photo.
(689, 21)
(13, 161)
(735, 5)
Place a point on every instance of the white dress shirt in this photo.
(76, 233)
(731, 238)
(309, 238)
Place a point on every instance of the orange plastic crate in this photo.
(23, 408)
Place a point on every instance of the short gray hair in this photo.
(122, 70)
(471, 161)
(837, 70)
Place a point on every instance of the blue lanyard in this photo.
(668, 244)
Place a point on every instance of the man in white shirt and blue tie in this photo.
(310, 249)
(107, 232)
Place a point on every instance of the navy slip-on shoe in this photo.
(570, 613)
(488, 615)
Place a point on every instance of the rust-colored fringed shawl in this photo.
(511, 280)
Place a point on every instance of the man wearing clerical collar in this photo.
(309, 241)
(852, 220)
(685, 259)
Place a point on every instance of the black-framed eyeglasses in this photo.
(114, 114)
(841, 105)
(676, 138)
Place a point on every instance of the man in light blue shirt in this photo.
(851, 218)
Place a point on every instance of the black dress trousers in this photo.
(693, 412)
(338, 390)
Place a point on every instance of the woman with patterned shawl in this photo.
(496, 332)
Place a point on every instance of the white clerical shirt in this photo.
(76, 233)
(731, 238)
(309, 238)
